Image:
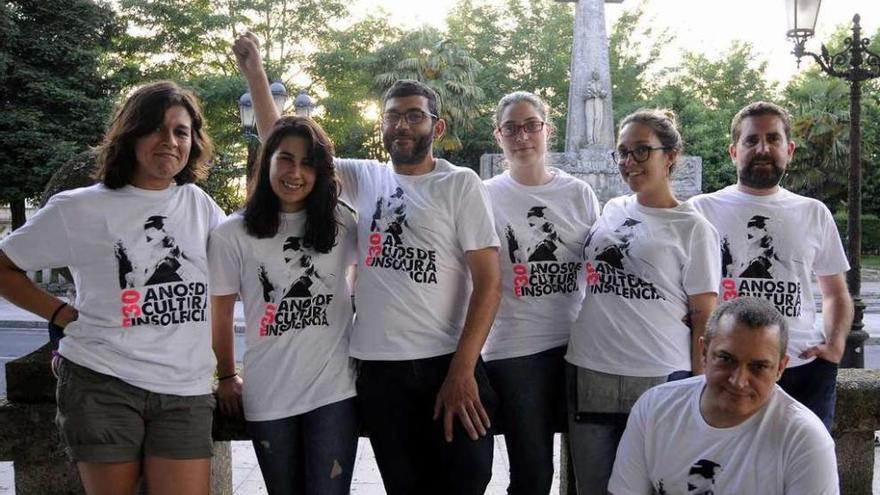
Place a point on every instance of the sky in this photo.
(708, 26)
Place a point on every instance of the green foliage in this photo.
(521, 45)
(451, 72)
(634, 47)
(226, 183)
(706, 94)
(344, 66)
(820, 106)
(820, 127)
(870, 231)
(54, 98)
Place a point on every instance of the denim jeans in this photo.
(814, 385)
(311, 453)
(593, 436)
(531, 392)
(397, 402)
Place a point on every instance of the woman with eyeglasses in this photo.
(541, 215)
(652, 275)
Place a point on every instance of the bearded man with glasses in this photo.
(781, 240)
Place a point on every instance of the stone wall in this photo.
(599, 170)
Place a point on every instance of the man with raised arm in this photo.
(732, 430)
(772, 242)
(427, 291)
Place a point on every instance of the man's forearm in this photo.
(837, 316)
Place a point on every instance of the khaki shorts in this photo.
(103, 419)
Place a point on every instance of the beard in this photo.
(421, 145)
(756, 178)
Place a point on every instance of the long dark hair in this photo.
(141, 114)
(261, 211)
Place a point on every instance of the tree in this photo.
(451, 72)
(55, 101)
(706, 94)
(344, 66)
(820, 127)
(634, 48)
(820, 112)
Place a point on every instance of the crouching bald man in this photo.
(732, 430)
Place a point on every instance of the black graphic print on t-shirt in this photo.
(158, 282)
(536, 269)
(610, 268)
(303, 297)
(759, 271)
(390, 243)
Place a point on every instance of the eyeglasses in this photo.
(639, 153)
(412, 117)
(531, 127)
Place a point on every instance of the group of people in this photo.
(511, 305)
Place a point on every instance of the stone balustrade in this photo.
(29, 438)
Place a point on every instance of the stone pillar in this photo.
(856, 417)
(590, 122)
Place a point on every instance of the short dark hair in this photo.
(261, 211)
(411, 87)
(753, 312)
(140, 114)
(757, 109)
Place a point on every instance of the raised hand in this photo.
(247, 54)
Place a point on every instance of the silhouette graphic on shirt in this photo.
(617, 255)
(543, 240)
(390, 216)
(162, 259)
(701, 477)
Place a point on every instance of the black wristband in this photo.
(227, 377)
(55, 314)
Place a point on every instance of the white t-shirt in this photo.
(138, 260)
(413, 281)
(770, 246)
(298, 313)
(543, 230)
(668, 448)
(641, 265)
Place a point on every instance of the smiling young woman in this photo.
(287, 255)
(652, 271)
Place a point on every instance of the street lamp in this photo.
(303, 105)
(855, 63)
(249, 120)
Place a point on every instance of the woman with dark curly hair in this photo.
(134, 364)
(286, 255)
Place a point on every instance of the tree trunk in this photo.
(16, 208)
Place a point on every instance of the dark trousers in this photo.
(814, 385)
(531, 390)
(308, 454)
(397, 405)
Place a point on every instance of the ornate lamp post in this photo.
(303, 105)
(248, 120)
(855, 63)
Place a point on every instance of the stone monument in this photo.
(589, 129)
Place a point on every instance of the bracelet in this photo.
(227, 377)
(55, 314)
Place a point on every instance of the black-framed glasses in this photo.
(639, 153)
(411, 117)
(531, 127)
